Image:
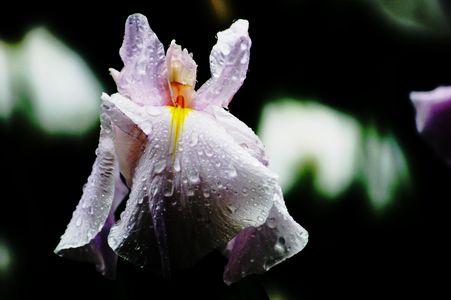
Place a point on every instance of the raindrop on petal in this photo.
(271, 223)
(177, 165)
(159, 166)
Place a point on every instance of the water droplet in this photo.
(141, 200)
(218, 164)
(225, 49)
(208, 152)
(168, 188)
(206, 194)
(159, 166)
(177, 165)
(279, 248)
(91, 210)
(231, 172)
(231, 208)
(141, 68)
(190, 193)
(271, 222)
(245, 191)
(193, 176)
(244, 59)
(243, 46)
(260, 219)
(78, 222)
(194, 139)
(251, 260)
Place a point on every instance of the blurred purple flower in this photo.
(198, 176)
(433, 118)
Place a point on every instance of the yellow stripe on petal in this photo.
(178, 114)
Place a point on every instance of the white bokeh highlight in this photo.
(299, 134)
(63, 92)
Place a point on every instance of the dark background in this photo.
(342, 53)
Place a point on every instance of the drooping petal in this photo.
(144, 76)
(198, 199)
(240, 132)
(85, 236)
(257, 249)
(433, 118)
(229, 60)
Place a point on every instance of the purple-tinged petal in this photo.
(85, 236)
(257, 249)
(194, 201)
(433, 118)
(144, 76)
(240, 132)
(229, 60)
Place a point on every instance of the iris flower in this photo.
(198, 177)
(433, 118)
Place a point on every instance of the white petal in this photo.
(229, 60)
(144, 76)
(85, 236)
(255, 250)
(131, 125)
(197, 200)
(240, 132)
(63, 91)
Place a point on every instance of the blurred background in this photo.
(327, 91)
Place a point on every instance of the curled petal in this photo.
(256, 249)
(240, 132)
(197, 199)
(144, 76)
(229, 60)
(85, 236)
(131, 127)
(433, 118)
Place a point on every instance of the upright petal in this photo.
(144, 76)
(85, 236)
(434, 118)
(257, 249)
(198, 198)
(240, 132)
(229, 60)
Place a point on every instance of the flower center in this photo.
(181, 75)
(181, 94)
